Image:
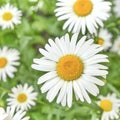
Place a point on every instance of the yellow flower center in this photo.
(22, 97)
(69, 67)
(100, 41)
(83, 7)
(106, 105)
(3, 62)
(7, 16)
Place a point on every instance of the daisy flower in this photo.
(9, 15)
(82, 15)
(71, 66)
(22, 97)
(110, 105)
(116, 46)
(117, 7)
(11, 114)
(8, 60)
(104, 38)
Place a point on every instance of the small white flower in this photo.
(82, 15)
(116, 46)
(104, 39)
(8, 60)
(117, 7)
(110, 105)
(11, 114)
(22, 97)
(9, 15)
(71, 66)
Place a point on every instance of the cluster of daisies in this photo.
(73, 65)
(21, 97)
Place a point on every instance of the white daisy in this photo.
(8, 60)
(104, 39)
(82, 15)
(117, 7)
(22, 97)
(11, 114)
(71, 66)
(9, 15)
(110, 105)
(116, 46)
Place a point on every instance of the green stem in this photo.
(111, 87)
(40, 102)
(1, 42)
(3, 89)
(18, 4)
(1, 38)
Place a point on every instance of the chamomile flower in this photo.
(11, 114)
(82, 15)
(71, 66)
(110, 105)
(104, 39)
(116, 46)
(117, 7)
(22, 97)
(9, 15)
(8, 60)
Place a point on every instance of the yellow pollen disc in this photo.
(7, 16)
(106, 105)
(83, 7)
(3, 62)
(100, 41)
(22, 97)
(69, 67)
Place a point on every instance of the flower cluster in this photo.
(72, 67)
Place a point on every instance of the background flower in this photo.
(22, 97)
(8, 60)
(117, 7)
(110, 105)
(9, 15)
(11, 114)
(116, 46)
(104, 38)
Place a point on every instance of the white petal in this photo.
(69, 94)
(47, 76)
(49, 84)
(54, 91)
(62, 92)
